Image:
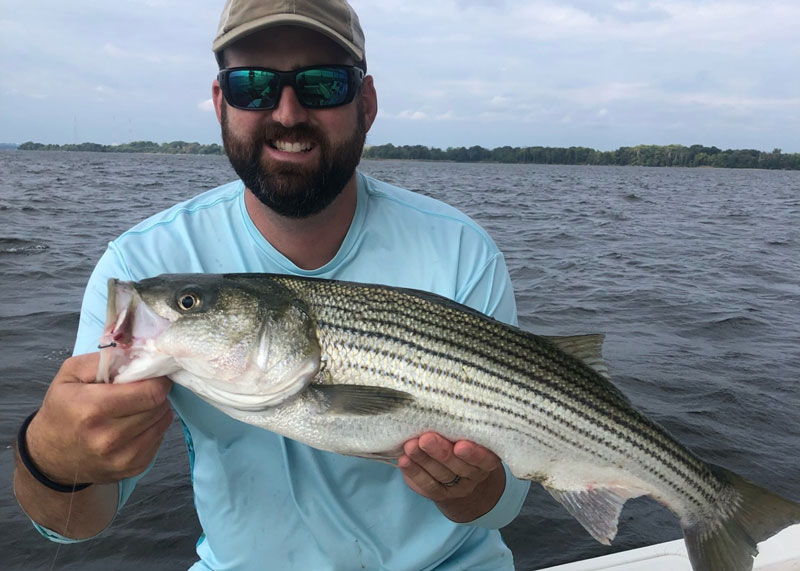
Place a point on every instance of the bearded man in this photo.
(295, 105)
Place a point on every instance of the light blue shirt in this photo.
(265, 501)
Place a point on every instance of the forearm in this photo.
(78, 515)
(87, 432)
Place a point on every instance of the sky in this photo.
(600, 74)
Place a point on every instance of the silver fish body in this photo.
(359, 369)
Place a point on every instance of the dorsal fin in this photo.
(587, 348)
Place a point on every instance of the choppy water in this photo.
(691, 273)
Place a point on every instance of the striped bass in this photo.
(360, 369)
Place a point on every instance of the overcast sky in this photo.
(601, 74)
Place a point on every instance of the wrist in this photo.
(33, 469)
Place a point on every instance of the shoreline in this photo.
(696, 156)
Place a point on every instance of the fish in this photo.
(359, 369)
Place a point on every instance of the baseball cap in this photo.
(334, 18)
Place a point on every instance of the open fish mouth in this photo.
(155, 330)
(130, 333)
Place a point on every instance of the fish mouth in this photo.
(130, 331)
(135, 345)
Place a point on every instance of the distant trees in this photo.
(641, 155)
(173, 148)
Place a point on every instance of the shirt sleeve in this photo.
(492, 293)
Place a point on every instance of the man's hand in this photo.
(87, 432)
(97, 432)
(464, 479)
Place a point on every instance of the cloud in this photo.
(207, 105)
(412, 115)
(404, 115)
(446, 116)
(116, 52)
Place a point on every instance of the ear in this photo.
(369, 98)
(217, 98)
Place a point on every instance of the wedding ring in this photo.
(452, 482)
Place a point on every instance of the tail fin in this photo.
(730, 544)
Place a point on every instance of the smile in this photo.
(290, 147)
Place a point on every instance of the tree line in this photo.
(173, 148)
(641, 155)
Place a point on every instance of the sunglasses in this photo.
(318, 87)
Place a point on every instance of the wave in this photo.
(20, 246)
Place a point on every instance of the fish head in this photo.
(239, 341)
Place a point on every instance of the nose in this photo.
(289, 111)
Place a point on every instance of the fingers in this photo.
(80, 368)
(130, 456)
(438, 469)
(129, 399)
(102, 432)
(112, 400)
(478, 456)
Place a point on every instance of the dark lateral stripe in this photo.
(372, 304)
(366, 302)
(542, 390)
(582, 380)
(476, 344)
(443, 319)
(559, 437)
(632, 437)
(594, 448)
(500, 349)
(642, 428)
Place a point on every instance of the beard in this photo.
(295, 191)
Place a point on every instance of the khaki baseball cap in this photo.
(333, 18)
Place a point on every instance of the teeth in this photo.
(288, 147)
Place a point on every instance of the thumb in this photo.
(79, 369)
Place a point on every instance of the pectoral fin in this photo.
(361, 400)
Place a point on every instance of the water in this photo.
(691, 273)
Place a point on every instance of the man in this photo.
(295, 107)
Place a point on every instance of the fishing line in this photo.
(69, 515)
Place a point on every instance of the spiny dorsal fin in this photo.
(596, 509)
(587, 348)
(361, 400)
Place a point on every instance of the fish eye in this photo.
(188, 301)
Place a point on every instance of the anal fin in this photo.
(596, 509)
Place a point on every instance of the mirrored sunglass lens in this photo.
(322, 87)
(252, 88)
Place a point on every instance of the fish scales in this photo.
(368, 319)
(517, 365)
(359, 369)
